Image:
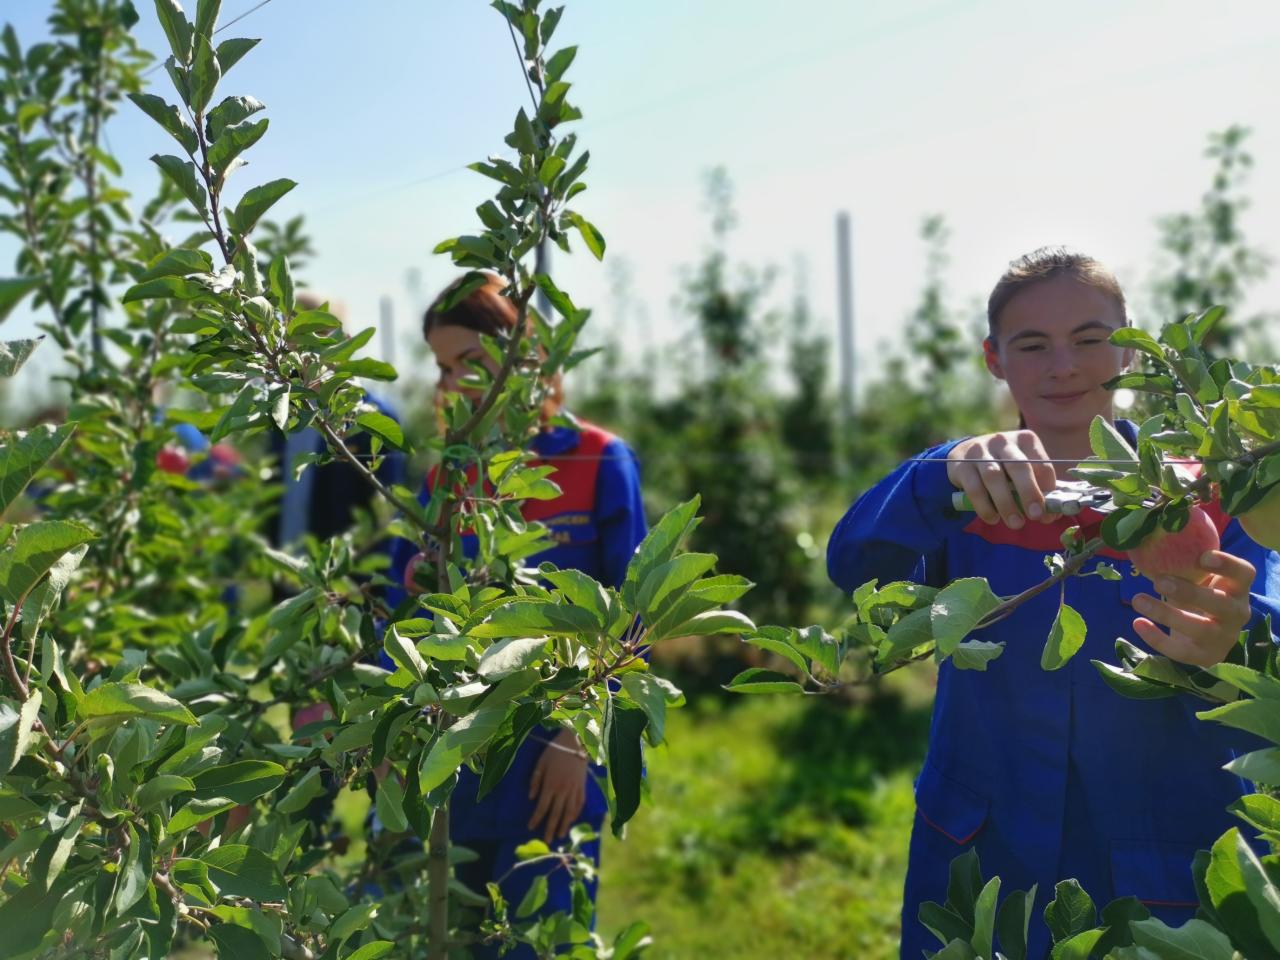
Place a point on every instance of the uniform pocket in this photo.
(1158, 874)
(950, 808)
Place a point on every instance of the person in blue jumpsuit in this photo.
(596, 523)
(1052, 775)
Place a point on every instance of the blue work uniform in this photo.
(1048, 775)
(596, 523)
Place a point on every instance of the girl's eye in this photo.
(1090, 342)
(1031, 348)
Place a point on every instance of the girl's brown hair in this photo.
(1045, 264)
(488, 311)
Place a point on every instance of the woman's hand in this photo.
(992, 486)
(1204, 621)
(559, 783)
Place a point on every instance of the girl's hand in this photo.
(559, 783)
(1204, 621)
(991, 487)
(411, 568)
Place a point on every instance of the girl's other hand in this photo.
(1203, 620)
(1000, 470)
(559, 786)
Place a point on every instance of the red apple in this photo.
(172, 460)
(1177, 554)
(410, 569)
(1262, 522)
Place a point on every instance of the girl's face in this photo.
(1051, 347)
(453, 346)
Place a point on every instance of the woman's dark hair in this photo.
(485, 309)
(1045, 264)
(488, 311)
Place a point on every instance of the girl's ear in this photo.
(992, 357)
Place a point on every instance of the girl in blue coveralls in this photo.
(1052, 775)
(596, 524)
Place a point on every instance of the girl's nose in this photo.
(1062, 361)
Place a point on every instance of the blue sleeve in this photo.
(896, 530)
(620, 518)
(1264, 598)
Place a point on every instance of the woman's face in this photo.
(453, 346)
(1051, 347)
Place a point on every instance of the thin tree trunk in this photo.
(438, 885)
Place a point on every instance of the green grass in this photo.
(775, 827)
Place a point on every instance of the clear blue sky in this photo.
(1023, 123)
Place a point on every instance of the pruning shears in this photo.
(1068, 498)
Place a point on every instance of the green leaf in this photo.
(374, 950)
(511, 656)
(976, 654)
(1013, 921)
(653, 694)
(1260, 810)
(670, 579)
(16, 728)
(231, 111)
(1255, 716)
(1244, 679)
(1262, 892)
(15, 353)
(161, 788)
(12, 291)
(660, 545)
(178, 262)
(231, 51)
(352, 921)
(135, 871)
(23, 456)
(957, 609)
(235, 140)
(205, 74)
(458, 743)
(1194, 940)
(1107, 442)
(382, 426)
(242, 871)
(176, 28)
(169, 118)
(124, 700)
(534, 898)
(238, 943)
(1078, 947)
(185, 177)
(390, 805)
(497, 759)
(623, 727)
(590, 235)
(33, 552)
(195, 812)
(760, 680)
(1066, 637)
(1137, 339)
(1229, 895)
(713, 622)
(165, 288)
(403, 653)
(559, 62)
(984, 918)
(27, 916)
(1070, 912)
(257, 202)
(206, 17)
(302, 793)
(242, 781)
